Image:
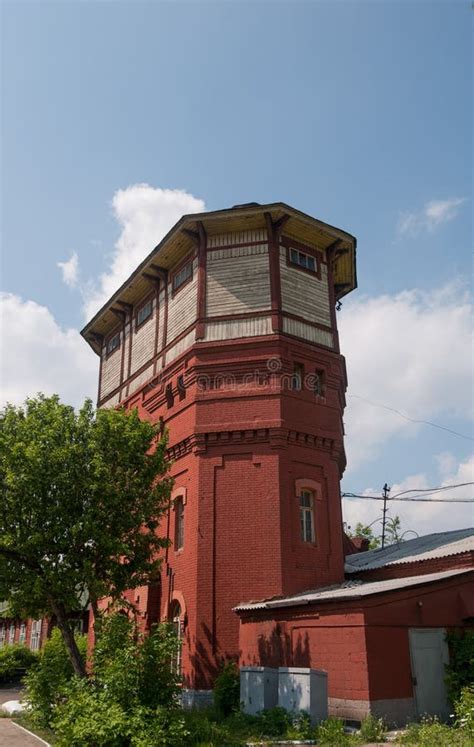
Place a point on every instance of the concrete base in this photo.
(395, 712)
(196, 698)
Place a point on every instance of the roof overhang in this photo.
(178, 242)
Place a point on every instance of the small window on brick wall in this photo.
(177, 622)
(169, 395)
(181, 386)
(306, 501)
(297, 377)
(318, 383)
(179, 524)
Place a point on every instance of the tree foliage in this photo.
(82, 497)
(131, 697)
(366, 532)
(47, 680)
(393, 532)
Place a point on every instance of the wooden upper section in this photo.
(181, 242)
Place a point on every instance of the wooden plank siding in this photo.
(182, 307)
(235, 328)
(303, 294)
(143, 342)
(238, 280)
(308, 332)
(238, 237)
(238, 305)
(110, 376)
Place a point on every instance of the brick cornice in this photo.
(276, 437)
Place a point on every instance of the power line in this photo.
(414, 499)
(411, 420)
(433, 490)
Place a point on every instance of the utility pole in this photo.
(385, 492)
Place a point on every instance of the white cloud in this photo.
(431, 215)
(70, 270)
(411, 352)
(41, 356)
(145, 214)
(423, 517)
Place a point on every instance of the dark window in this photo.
(144, 313)
(113, 343)
(306, 261)
(181, 387)
(297, 378)
(318, 386)
(184, 274)
(169, 395)
(306, 516)
(179, 524)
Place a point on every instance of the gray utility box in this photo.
(258, 688)
(304, 689)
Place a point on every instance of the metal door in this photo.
(429, 655)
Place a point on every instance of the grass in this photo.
(208, 729)
(26, 722)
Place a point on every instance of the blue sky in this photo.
(355, 112)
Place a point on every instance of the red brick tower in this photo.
(227, 331)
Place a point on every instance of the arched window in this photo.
(179, 523)
(306, 501)
(177, 622)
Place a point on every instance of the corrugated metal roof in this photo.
(429, 546)
(351, 590)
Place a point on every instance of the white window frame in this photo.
(22, 634)
(2, 635)
(177, 624)
(306, 515)
(35, 635)
(11, 633)
(301, 259)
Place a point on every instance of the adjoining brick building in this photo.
(226, 333)
(380, 634)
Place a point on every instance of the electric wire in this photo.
(413, 499)
(411, 420)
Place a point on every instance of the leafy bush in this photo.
(460, 670)
(15, 661)
(464, 709)
(206, 727)
(332, 732)
(131, 697)
(47, 679)
(300, 726)
(133, 667)
(431, 733)
(273, 722)
(372, 729)
(227, 689)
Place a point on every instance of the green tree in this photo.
(367, 532)
(82, 496)
(393, 532)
